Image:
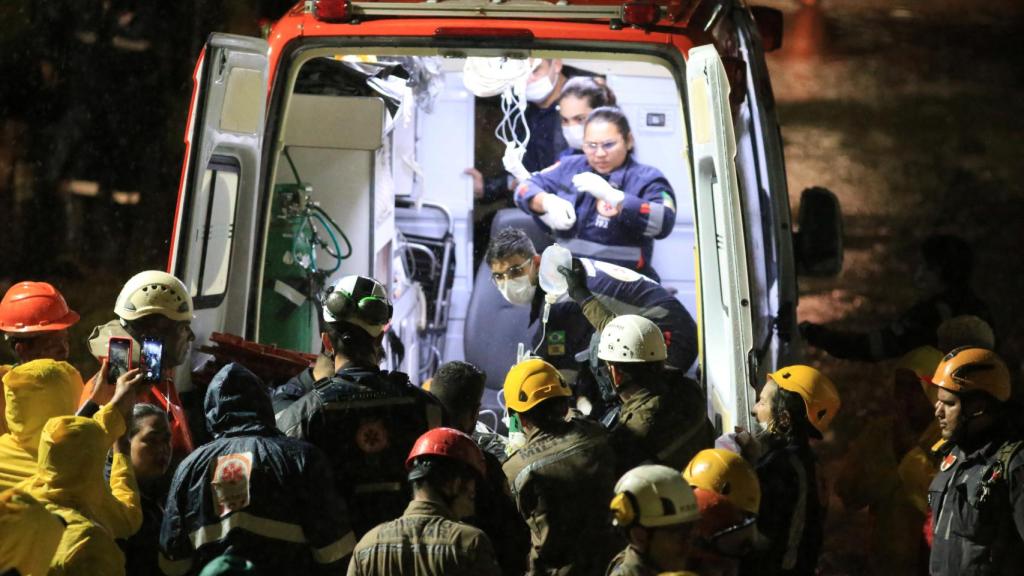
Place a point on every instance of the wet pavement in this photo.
(911, 113)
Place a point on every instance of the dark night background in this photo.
(910, 111)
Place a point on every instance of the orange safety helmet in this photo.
(728, 474)
(819, 394)
(974, 369)
(448, 443)
(29, 308)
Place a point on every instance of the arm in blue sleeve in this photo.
(652, 213)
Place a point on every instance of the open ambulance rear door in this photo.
(217, 197)
(724, 299)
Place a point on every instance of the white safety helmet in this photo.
(154, 292)
(632, 338)
(359, 300)
(653, 495)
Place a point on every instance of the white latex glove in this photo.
(559, 214)
(513, 161)
(598, 188)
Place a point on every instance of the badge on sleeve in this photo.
(947, 462)
(556, 343)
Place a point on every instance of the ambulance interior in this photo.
(368, 178)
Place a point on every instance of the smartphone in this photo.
(152, 358)
(119, 357)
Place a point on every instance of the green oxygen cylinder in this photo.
(287, 315)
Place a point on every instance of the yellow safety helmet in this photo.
(819, 394)
(531, 382)
(922, 362)
(974, 369)
(726, 473)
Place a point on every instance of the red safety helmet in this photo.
(448, 443)
(32, 307)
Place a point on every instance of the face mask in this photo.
(573, 136)
(518, 291)
(538, 90)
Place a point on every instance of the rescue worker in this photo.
(656, 510)
(69, 481)
(580, 96)
(562, 478)
(598, 291)
(729, 497)
(664, 414)
(943, 277)
(430, 539)
(976, 499)
(603, 205)
(43, 389)
(30, 532)
(155, 304)
(459, 386)
(34, 318)
(299, 385)
(254, 491)
(797, 403)
(364, 418)
(889, 465)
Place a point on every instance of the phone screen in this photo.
(119, 352)
(152, 358)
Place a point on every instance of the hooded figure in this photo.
(43, 389)
(269, 498)
(69, 481)
(30, 534)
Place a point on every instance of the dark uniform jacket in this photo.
(791, 514)
(663, 422)
(269, 498)
(648, 211)
(425, 541)
(978, 512)
(620, 291)
(291, 391)
(497, 515)
(916, 327)
(629, 562)
(366, 420)
(562, 481)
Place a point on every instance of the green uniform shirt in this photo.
(425, 541)
(562, 481)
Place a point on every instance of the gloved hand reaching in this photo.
(559, 213)
(598, 187)
(513, 161)
(576, 280)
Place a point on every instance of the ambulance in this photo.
(338, 145)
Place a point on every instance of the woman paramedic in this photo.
(603, 204)
(580, 95)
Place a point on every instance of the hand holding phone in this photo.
(119, 358)
(152, 358)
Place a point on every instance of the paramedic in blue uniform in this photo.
(609, 291)
(604, 204)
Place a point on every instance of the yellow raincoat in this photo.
(40, 390)
(4, 369)
(72, 452)
(29, 534)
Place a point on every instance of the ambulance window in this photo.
(213, 239)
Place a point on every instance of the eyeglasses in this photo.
(606, 146)
(512, 272)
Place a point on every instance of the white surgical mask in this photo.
(538, 90)
(573, 136)
(518, 291)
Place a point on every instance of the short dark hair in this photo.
(507, 243)
(951, 256)
(586, 88)
(459, 386)
(436, 471)
(640, 372)
(547, 413)
(613, 115)
(351, 341)
(142, 411)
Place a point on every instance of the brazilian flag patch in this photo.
(556, 343)
(667, 200)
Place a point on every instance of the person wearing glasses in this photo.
(603, 204)
(365, 419)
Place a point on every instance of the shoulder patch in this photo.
(947, 462)
(667, 200)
